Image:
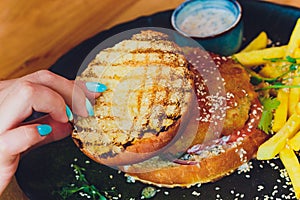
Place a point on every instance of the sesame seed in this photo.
(195, 193)
(260, 188)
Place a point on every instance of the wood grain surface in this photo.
(35, 33)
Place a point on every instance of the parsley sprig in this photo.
(269, 106)
(290, 64)
(270, 103)
(286, 59)
(81, 187)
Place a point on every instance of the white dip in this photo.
(207, 22)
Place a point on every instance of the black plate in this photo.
(45, 170)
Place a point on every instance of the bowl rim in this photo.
(231, 27)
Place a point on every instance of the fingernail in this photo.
(89, 107)
(44, 129)
(69, 113)
(95, 86)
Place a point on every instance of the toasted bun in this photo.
(146, 106)
(238, 143)
(208, 170)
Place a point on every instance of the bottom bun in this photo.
(208, 170)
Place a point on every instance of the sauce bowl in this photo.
(215, 24)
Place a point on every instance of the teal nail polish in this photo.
(95, 86)
(69, 113)
(44, 129)
(89, 107)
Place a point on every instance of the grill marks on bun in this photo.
(149, 91)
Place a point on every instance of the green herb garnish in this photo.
(287, 59)
(269, 105)
(278, 86)
(291, 66)
(81, 187)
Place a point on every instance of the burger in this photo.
(172, 116)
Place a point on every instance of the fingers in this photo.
(17, 141)
(20, 139)
(74, 94)
(91, 92)
(42, 91)
(47, 92)
(13, 143)
(59, 130)
(63, 86)
(5, 88)
(24, 98)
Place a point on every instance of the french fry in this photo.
(297, 54)
(294, 142)
(298, 108)
(294, 96)
(271, 70)
(291, 164)
(275, 144)
(258, 57)
(286, 139)
(292, 47)
(260, 42)
(294, 41)
(281, 112)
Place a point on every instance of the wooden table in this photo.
(34, 34)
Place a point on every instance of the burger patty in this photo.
(239, 92)
(223, 91)
(149, 89)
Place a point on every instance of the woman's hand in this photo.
(45, 92)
